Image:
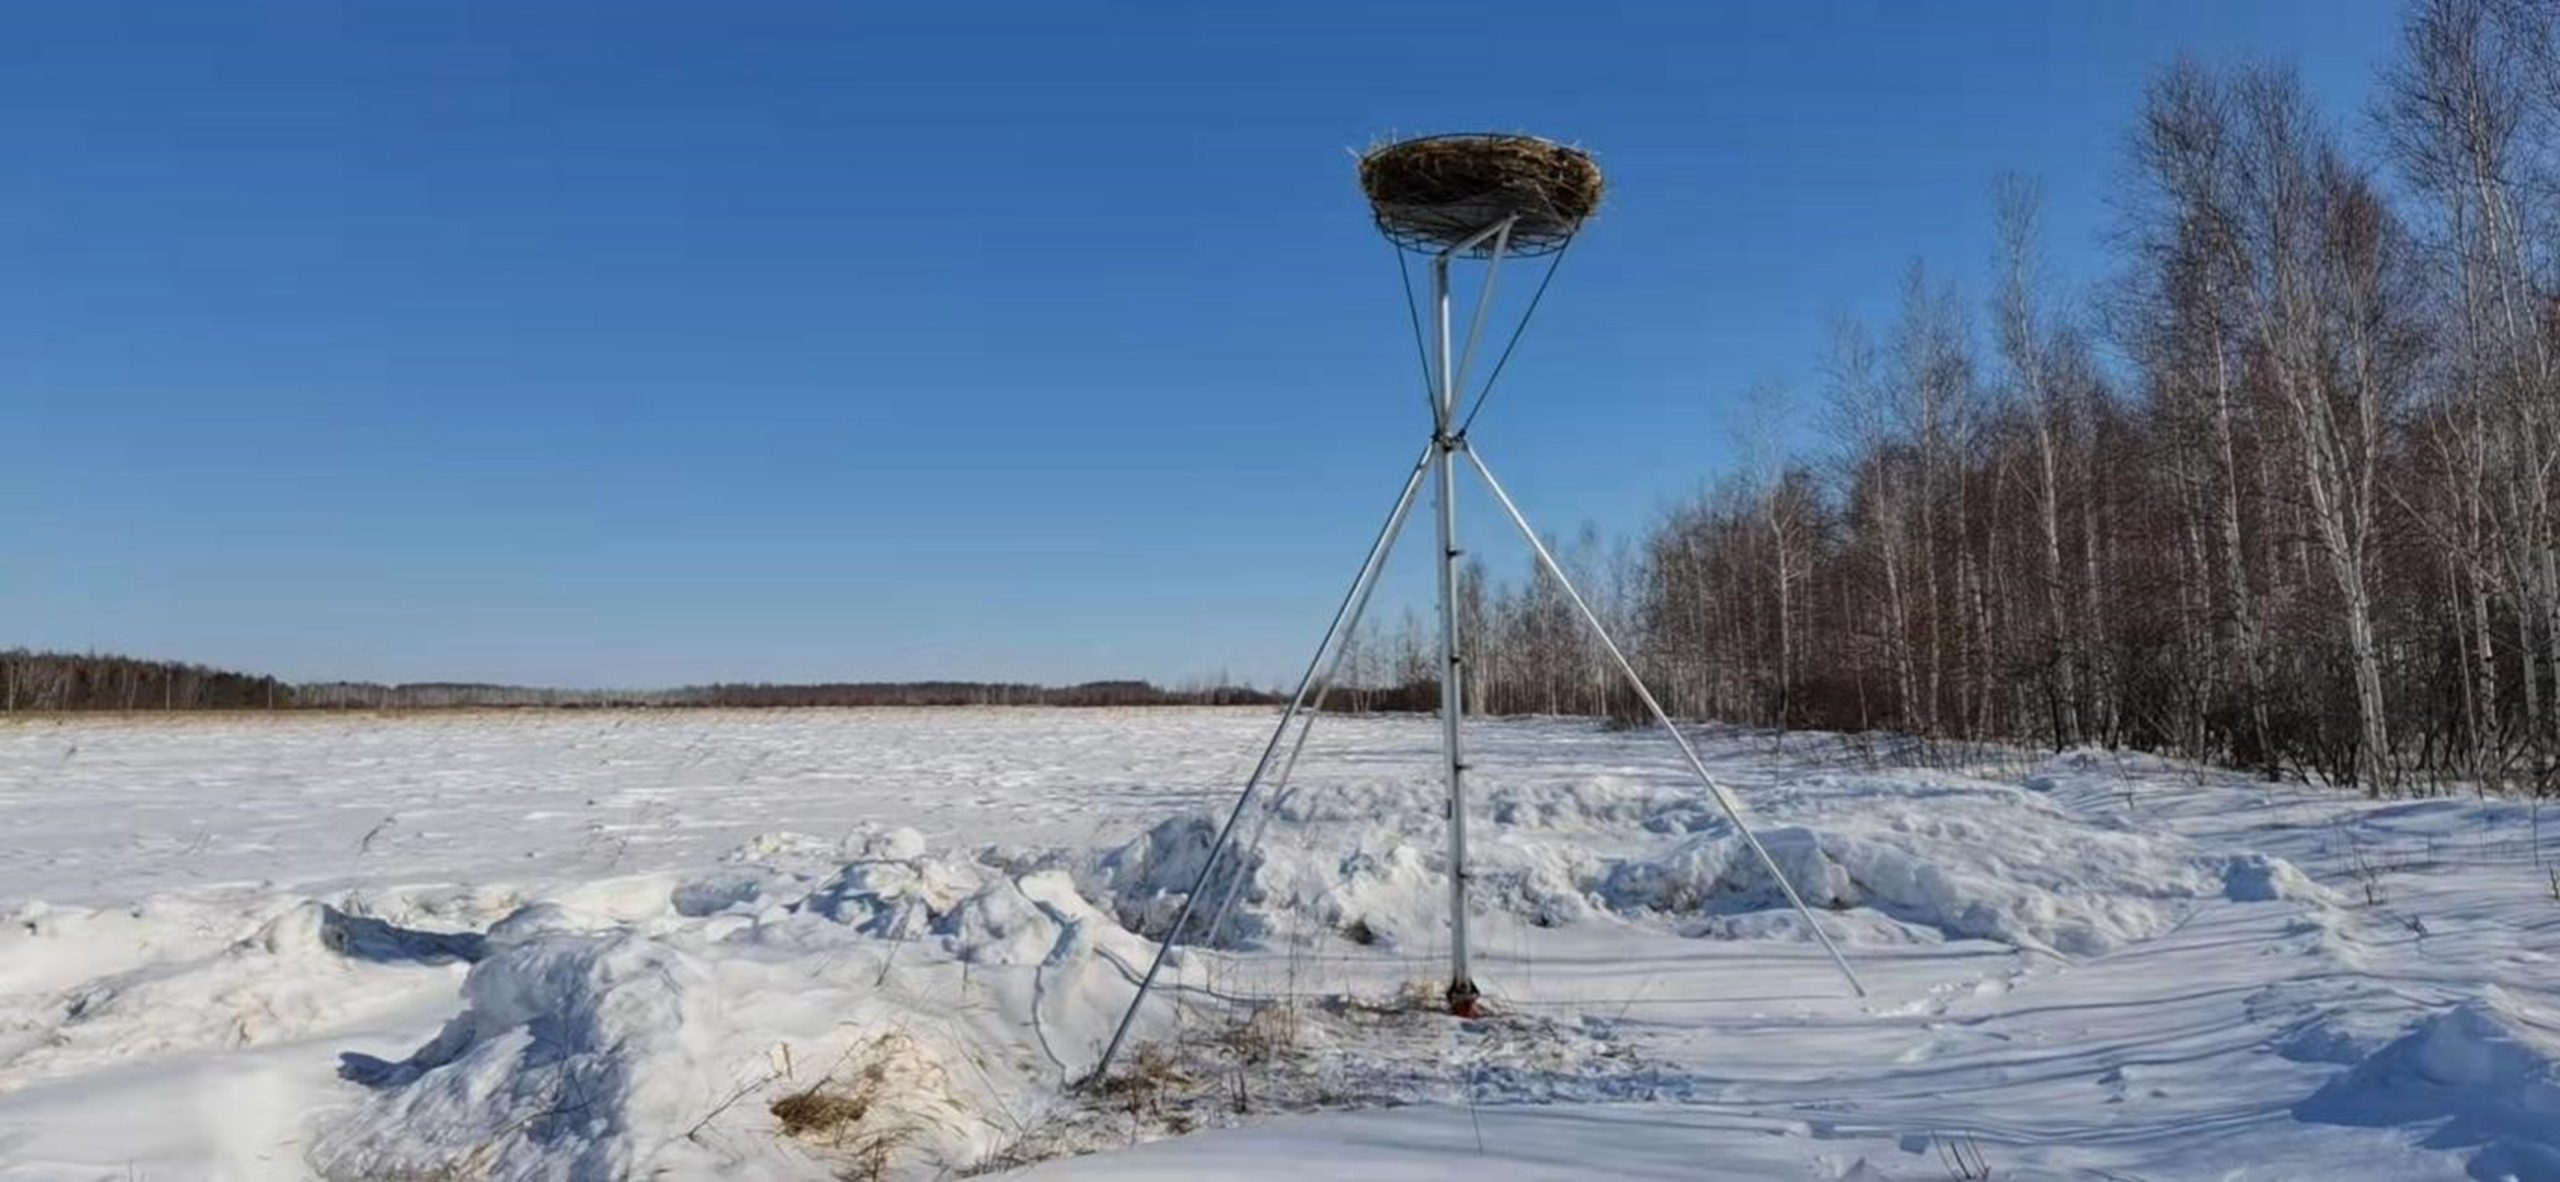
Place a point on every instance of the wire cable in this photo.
(1421, 351)
(1485, 393)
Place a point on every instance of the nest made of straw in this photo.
(1435, 192)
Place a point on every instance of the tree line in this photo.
(95, 681)
(975, 693)
(2282, 492)
(43, 681)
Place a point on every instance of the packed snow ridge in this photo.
(2088, 963)
(1948, 861)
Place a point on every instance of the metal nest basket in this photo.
(1438, 191)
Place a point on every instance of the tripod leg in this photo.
(1345, 618)
(1724, 799)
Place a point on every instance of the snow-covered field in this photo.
(858, 944)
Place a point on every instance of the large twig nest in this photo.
(1433, 193)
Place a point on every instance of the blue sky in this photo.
(641, 343)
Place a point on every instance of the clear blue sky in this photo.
(640, 343)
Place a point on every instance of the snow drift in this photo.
(2485, 1074)
(1971, 861)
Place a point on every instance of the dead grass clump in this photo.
(1153, 1072)
(1437, 191)
(1265, 1035)
(870, 1108)
(819, 1114)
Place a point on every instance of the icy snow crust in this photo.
(803, 945)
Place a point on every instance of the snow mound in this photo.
(1145, 881)
(2344, 1037)
(1924, 859)
(2488, 1070)
(2036, 881)
(785, 848)
(301, 967)
(796, 1047)
(1358, 801)
(1381, 894)
(741, 892)
(2264, 878)
(1603, 802)
(575, 1030)
(909, 1018)
(1384, 884)
(1003, 924)
(1008, 910)
(893, 900)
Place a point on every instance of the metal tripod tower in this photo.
(1488, 198)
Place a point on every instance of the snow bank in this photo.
(575, 1042)
(945, 998)
(2488, 1070)
(2078, 893)
(1146, 880)
(304, 966)
(910, 1011)
(1967, 859)
(1960, 859)
(1599, 803)
(2264, 878)
(1376, 883)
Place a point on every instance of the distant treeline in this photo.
(33, 681)
(970, 693)
(98, 681)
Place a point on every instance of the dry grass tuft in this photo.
(1152, 1072)
(817, 1114)
(855, 1111)
(1265, 1035)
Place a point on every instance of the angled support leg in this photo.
(1501, 236)
(1280, 783)
(1724, 799)
(1345, 618)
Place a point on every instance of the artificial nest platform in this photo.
(1432, 193)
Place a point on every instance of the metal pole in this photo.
(1732, 810)
(1352, 600)
(1453, 701)
(1462, 984)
